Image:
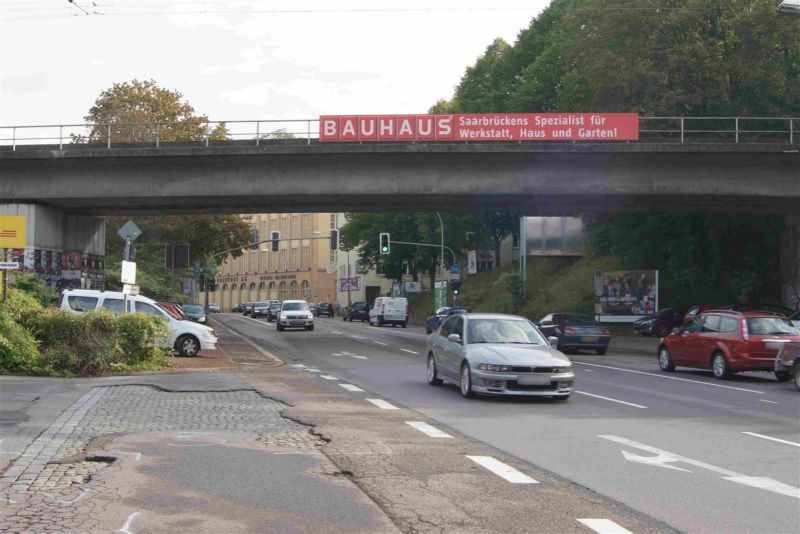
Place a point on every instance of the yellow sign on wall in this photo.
(12, 231)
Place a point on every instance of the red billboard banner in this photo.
(487, 127)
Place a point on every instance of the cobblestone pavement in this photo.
(49, 487)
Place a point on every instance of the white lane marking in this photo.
(382, 404)
(351, 387)
(764, 483)
(411, 351)
(299, 366)
(587, 370)
(762, 436)
(671, 377)
(768, 401)
(502, 470)
(357, 337)
(428, 430)
(349, 355)
(335, 332)
(313, 371)
(126, 527)
(611, 400)
(380, 343)
(358, 357)
(265, 353)
(604, 526)
(329, 377)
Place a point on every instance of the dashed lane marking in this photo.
(299, 366)
(313, 371)
(382, 404)
(380, 343)
(762, 436)
(428, 430)
(329, 377)
(410, 351)
(604, 526)
(611, 400)
(351, 387)
(670, 377)
(349, 355)
(768, 401)
(502, 470)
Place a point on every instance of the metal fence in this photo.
(683, 130)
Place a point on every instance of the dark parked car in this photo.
(273, 311)
(662, 323)
(237, 308)
(433, 321)
(575, 331)
(259, 308)
(326, 309)
(195, 312)
(358, 311)
(247, 308)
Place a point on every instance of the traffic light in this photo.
(276, 238)
(254, 238)
(334, 239)
(385, 242)
(456, 285)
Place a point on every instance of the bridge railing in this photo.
(684, 130)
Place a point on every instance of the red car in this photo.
(728, 342)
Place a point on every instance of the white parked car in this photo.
(389, 310)
(186, 337)
(295, 314)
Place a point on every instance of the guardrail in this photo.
(683, 130)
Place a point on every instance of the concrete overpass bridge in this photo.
(296, 175)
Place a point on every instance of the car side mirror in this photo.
(553, 340)
(455, 338)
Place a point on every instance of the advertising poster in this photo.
(350, 284)
(626, 293)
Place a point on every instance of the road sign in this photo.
(472, 262)
(130, 289)
(128, 272)
(129, 231)
(455, 269)
(9, 266)
(12, 231)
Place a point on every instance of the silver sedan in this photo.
(496, 354)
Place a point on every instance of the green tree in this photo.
(141, 111)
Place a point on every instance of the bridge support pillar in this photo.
(790, 262)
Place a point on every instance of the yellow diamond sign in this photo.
(12, 231)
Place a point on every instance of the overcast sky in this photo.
(246, 59)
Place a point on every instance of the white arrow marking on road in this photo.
(126, 527)
(382, 404)
(428, 430)
(604, 526)
(502, 470)
(661, 460)
(351, 387)
(762, 436)
(329, 377)
(755, 482)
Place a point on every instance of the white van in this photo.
(389, 310)
(186, 337)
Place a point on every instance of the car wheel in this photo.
(466, 381)
(433, 373)
(797, 377)
(428, 330)
(665, 362)
(379, 323)
(310, 328)
(601, 351)
(403, 324)
(783, 376)
(280, 327)
(719, 366)
(187, 345)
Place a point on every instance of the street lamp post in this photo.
(441, 263)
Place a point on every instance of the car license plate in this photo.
(533, 380)
(297, 322)
(590, 339)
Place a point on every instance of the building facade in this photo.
(302, 268)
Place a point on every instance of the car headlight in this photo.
(283, 316)
(562, 369)
(494, 368)
(310, 315)
(210, 334)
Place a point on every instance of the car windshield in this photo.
(770, 326)
(502, 331)
(578, 320)
(295, 306)
(261, 304)
(275, 306)
(192, 308)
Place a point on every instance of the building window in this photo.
(293, 290)
(296, 226)
(282, 291)
(306, 225)
(305, 291)
(306, 258)
(293, 260)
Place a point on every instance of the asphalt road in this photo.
(699, 454)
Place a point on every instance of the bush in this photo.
(19, 353)
(35, 287)
(22, 308)
(97, 342)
